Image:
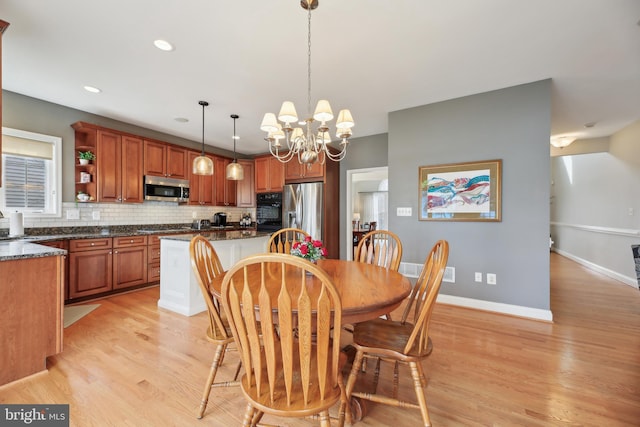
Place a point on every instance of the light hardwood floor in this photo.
(130, 364)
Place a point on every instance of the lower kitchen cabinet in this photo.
(90, 267)
(106, 264)
(129, 261)
(153, 259)
(62, 244)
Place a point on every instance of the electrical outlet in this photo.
(73, 214)
(478, 277)
(95, 215)
(491, 279)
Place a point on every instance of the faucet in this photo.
(1, 216)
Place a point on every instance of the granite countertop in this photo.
(20, 249)
(219, 235)
(17, 247)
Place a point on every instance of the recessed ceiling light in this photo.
(163, 45)
(590, 124)
(92, 89)
(181, 119)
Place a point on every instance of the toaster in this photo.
(200, 224)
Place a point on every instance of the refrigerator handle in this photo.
(291, 219)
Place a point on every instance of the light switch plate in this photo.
(403, 211)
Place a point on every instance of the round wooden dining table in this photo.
(366, 291)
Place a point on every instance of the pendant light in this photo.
(202, 165)
(235, 172)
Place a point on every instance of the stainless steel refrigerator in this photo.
(303, 208)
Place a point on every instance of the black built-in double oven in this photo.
(269, 211)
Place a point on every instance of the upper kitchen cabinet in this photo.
(296, 172)
(162, 159)
(200, 186)
(3, 27)
(116, 174)
(269, 174)
(246, 193)
(225, 189)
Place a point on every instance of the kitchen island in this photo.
(179, 289)
(31, 289)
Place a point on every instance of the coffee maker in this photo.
(219, 219)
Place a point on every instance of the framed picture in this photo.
(460, 191)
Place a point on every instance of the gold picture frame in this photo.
(468, 191)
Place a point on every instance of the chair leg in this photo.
(212, 376)
(353, 375)
(249, 414)
(417, 375)
(324, 419)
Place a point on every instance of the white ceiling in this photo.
(372, 56)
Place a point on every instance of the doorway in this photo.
(367, 197)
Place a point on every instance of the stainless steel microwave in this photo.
(166, 189)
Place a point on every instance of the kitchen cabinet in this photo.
(62, 244)
(90, 267)
(115, 175)
(246, 193)
(167, 160)
(120, 162)
(225, 189)
(31, 316)
(200, 186)
(153, 259)
(3, 27)
(129, 261)
(296, 172)
(269, 174)
(105, 264)
(86, 139)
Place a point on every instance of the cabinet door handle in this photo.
(92, 243)
(115, 252)
(131, 241)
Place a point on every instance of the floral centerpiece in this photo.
(309, 249)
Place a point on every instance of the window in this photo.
(31, 173)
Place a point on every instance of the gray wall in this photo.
(511, 124)
(35, 115)
(595, 209)
(364, 152)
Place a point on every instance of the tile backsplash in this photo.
(104, 214)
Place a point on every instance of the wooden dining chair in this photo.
(206, 266)
(294, 369)
(404, 341)
(282, 240)
(382, 248)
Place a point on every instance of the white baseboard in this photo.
(595, 267)
(513, 310)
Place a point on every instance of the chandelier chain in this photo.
(309, 60)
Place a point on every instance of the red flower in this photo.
(317, 244)
(304, 249)
(295, 244)
(307, 239)
(323, 251)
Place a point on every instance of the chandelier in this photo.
(309, 145)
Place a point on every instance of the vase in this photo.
(84, 161)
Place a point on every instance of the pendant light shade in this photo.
(235, 171)
(202, 165)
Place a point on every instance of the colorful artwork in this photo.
(468, 191)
